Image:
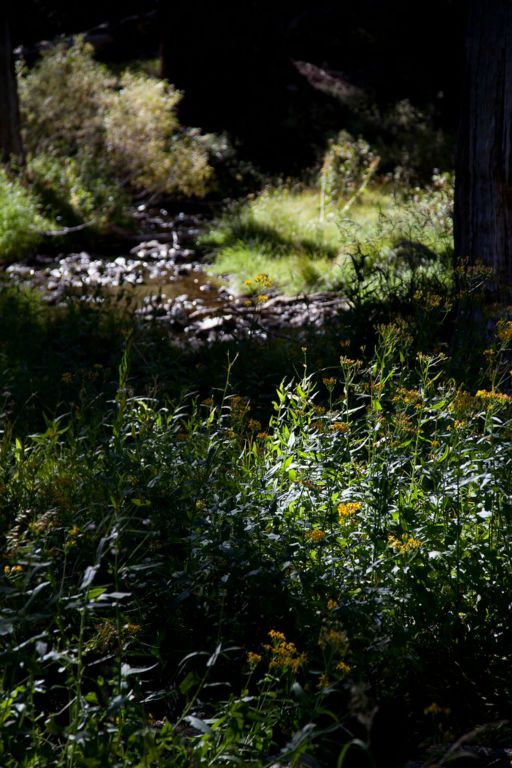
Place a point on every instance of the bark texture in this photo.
(483, 189)
(10, 137)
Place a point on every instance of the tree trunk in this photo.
(10, 137)
(483, 187)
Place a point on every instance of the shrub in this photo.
(19, 216)
(127, 127)
(62, 101)
(77, 189)
(142, 143)
(347, 167)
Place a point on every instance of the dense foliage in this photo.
(185, 585)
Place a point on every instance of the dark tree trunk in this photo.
(10, 137)
(483, 188)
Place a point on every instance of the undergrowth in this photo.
(186, 584)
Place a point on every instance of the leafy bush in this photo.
(72, 106)
(142, 143)
(347, 167)
(77, 189)
(62, 101)
(19, 219)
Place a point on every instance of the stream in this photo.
(164, 275)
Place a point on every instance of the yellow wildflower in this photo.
(253, 658)
(332, 605)
(504, 330)
(335, 638)
(323, 681)
(498, 397)
(262, 435)
(403, 545)
(263, 280)
(342, 666)
(407, 396)
(435, 709)
(9, 570)
(131, 629)
(254, 425)
(262, 298)
(348, 509)
(329, 382)
(463, 402)
(348, 361)
(340, 426)
(285, 655)
(315, 534)
(200, 505)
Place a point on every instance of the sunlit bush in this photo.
(347, 167)
(142, 143)
(72, 106)
(62, 101)
(19, 217)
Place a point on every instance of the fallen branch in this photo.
(65, 231)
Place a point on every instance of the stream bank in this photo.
(163, 276)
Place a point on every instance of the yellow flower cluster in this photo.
(254, 425)
(253, 658)
(348, 509)
(263, 280)
(342, 666)
(407, 396)
(315, 534)
(238, 406)
(403, 545)
(504, 330)
(349, 362)
(463, 402)
(329, 382)
(435, 709)
(429, 300)
(284, 655)
(262, 298)
(335, 638)
(340, 426)
(332, 605)
(498, 397)
(10, 569)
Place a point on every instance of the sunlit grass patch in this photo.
(286, 233)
